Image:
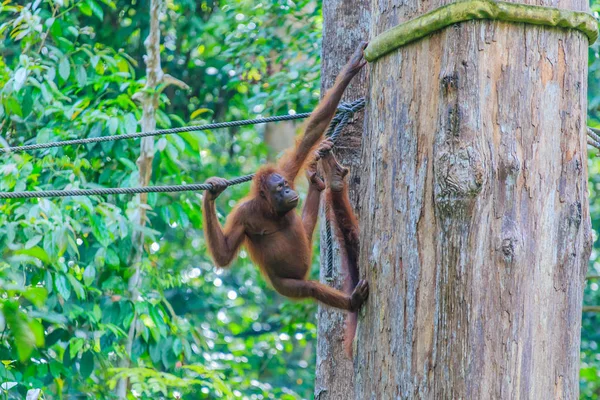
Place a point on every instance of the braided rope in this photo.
(343, 109)
(337, 124)
(593, 138)
(329, 245)
(138, 135)
(107, 191)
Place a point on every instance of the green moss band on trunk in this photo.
(479, 9)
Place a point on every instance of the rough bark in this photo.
(345, 25)
(475, 228)
(467, 10)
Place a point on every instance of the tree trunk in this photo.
(149, 102)
(475, 230)
(345, 25)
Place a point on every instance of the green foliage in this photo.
(70, 69)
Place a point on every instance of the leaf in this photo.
(20, 77)
(86, 364)
(99, 230)
(158, 321)
(76, 344)
(200, 111)
(77, 287)
(36, 252)
(177, 347)
(23, 337)
(81, 76)
(122, 65)
(130, 123)
(62, 286)
(49, 281)
(85, 202)
(14, 107)
(64, 69)
(112, 259)
(60, 239)
(27, 101)
(128, 163)
(96, 9)
(96, 131)
(47, 316)
(100, 257)
(49, 22)
(21, 34)
(50, 74)
(113, 125)
(89, 274)
(73, 247)
(161, 144)
(85, 9)
(145, 318)
(36, 295)
(167, 356)
(67, 359)
(155, 352)
(33, 241)
(8, 385)
(56, 335)
(33, 394)
(38, 332)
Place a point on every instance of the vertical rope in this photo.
(338, 123)
(329, 246)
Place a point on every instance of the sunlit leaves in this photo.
(64, 68)
(61, 284)
(27, 333)
(19, 79)
(71, 70)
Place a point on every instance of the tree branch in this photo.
(168, 80)
(149, 102)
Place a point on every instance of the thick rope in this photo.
(337, 124)
(107, 191)
(335, 129)
(137, 135)
(593, 137)
(329, 245)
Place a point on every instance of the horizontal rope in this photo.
(137, 135)
(107, 191)
(340, 120)
(593, 138)
(462, 11)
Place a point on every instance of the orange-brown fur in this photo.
(346, 231)
(281, 243)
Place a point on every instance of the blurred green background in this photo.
(68, 69)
